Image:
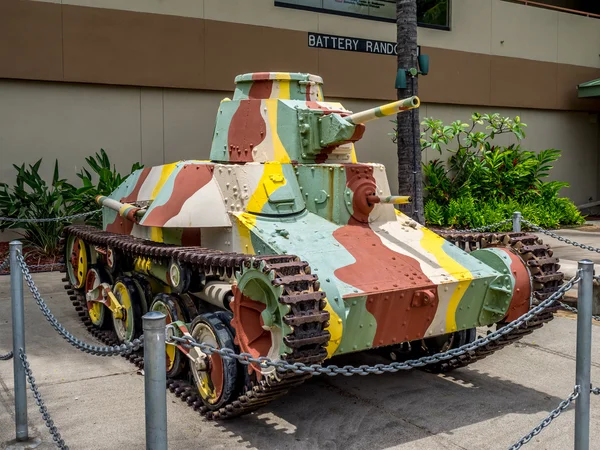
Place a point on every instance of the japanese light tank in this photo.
(283, 245)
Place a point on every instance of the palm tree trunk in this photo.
(410, 179)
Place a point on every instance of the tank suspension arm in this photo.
(124, 209)
(217, 293)
(383, 111)
(393, 199)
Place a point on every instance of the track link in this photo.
(306, 317)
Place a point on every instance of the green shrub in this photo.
(466, 212)
(481, 184)
(103, 181)
(32, 198)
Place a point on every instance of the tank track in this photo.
(306, 317)
(546, 279)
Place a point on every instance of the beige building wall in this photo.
(491, 27)
(70, 121)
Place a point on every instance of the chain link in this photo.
(595, 391)
(60, 443)
(484, 228)
(332, 370)
(112, 350)
(5, 265)
(50, 219)
(548, 420)
(560, 238)
(574, 310)
(46, 266)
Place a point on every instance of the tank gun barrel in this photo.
(335, 129)
(124, 209)
(384, 110)
(393, 199)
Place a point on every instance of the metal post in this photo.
(18, 324)
(155, 380)
(516, 221)
(584, 354)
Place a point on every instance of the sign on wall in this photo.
(430, 13)
(352, 44)
(376, 8)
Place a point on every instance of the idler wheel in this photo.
(97, 311)
(215, 377)
(76, 258)
(129, 326)
(170, 307)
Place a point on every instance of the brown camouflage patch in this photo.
(402, 315)
(120, 226)
(189, 180)
(377, 267)
(247, 130)
(136, 190)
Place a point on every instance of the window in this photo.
(430, 13)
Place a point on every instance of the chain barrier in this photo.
(112, 350)
(50, 219)
(38, 266)
(596, 391)
(574, 310)
(484, 228)
(6, 263)
(332, 370)
(46, 266)
(60, 443)
(548, 420)
(560, 238)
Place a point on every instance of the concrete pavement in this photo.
(98, 403)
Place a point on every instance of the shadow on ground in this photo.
(380, 411)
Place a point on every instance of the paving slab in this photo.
(98, 402)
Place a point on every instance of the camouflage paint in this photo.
(110, 218)
(282, 117)
(515, 279)
(275, 195)
(363, 326)
(220, 144)
(324, 189)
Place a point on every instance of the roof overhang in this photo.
(589, 89)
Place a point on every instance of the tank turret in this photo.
(282, 245)
(283, 117)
